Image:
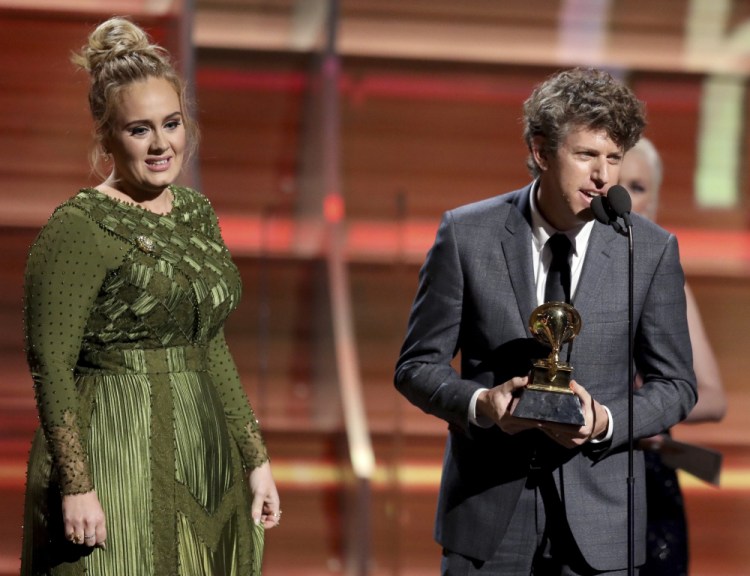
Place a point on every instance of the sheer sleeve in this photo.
(243, 424)
(241, 419)
(64, 272)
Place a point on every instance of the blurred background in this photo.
(334, 134)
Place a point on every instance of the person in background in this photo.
(521, 496)
(668, 551)
(149, 459)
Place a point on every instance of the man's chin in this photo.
(585, 215)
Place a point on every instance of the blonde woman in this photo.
(149, 459)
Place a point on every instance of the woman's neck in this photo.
(159, 202)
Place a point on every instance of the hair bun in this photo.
(115, 39)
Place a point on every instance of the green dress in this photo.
(137, 393)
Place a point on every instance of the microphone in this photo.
(619, 199)
(605, 213)
(616, 204)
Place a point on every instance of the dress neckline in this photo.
(133, 205)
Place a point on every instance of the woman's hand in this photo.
(266, 506)
(83, 519)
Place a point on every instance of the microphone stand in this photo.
(631, 377)
(607, 213)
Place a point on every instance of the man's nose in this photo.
(601, 173)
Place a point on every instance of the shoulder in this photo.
(648, 232)
(194, 207)
(196, 212)
(74, 228)
(491, 207)
(654, 247)
(68, 231)
(71, 216)
(191, 198)
(509, 209)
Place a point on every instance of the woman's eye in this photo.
(138, 130)
(173, 124)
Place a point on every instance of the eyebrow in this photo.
(144, 121)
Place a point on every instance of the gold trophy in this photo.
(548, 395)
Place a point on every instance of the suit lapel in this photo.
(595, 267)
(517, 252)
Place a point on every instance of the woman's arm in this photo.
(64, 274)
(712, 401)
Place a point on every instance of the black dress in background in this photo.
(667, 544)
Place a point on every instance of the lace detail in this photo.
(70, 457)
(253, 449)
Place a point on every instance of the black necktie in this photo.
(557, 287)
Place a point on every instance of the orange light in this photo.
(333, 207)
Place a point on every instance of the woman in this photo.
(149, 459)
(641, 174)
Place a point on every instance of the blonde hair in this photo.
(647, 147)
(119, 53)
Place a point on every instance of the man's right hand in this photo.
(495, 404)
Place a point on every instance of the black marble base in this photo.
(557, 407)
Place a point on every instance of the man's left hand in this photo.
(596, 422)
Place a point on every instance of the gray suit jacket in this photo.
(476, 293)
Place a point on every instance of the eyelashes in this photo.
(143, 130)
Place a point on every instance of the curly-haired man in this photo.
(522, 496)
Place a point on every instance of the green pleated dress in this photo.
(137, 393)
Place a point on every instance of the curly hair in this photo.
(117, 54)
(581, 97)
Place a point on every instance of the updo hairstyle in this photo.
(119, 53)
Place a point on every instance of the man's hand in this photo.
(596, 422)
(495, 404)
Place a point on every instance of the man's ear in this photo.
(539, 151)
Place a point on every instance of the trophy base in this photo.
(560, 407)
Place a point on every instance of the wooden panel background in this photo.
(418, 137)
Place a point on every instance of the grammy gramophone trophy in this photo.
(548, 395)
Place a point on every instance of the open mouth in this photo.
(590, 195)
(159, 164)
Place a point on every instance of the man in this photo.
(521, 496)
